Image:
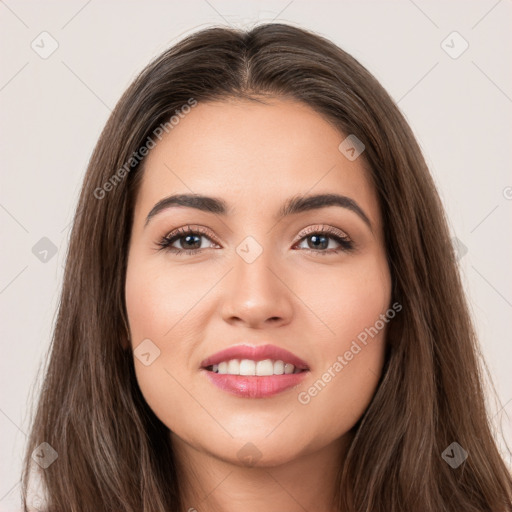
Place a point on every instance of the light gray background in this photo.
(53, 110)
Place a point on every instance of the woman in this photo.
(261, 306)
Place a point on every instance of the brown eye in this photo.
(319, 241)
(189, 239)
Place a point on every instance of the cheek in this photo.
(164, 307)
(160, 299)
(354, 309)
(345, 300)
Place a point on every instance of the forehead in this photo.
(253, 155)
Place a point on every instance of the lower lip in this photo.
(255, 387)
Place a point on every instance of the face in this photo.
(310, 288)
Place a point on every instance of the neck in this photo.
(308, 482)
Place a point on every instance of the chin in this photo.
(257, 450)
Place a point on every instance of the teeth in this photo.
(288, 368)
(265, 367)
(250, 367)
(234, 367)
(278, 368)
(247, 367)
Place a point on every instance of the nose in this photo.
(256, 294)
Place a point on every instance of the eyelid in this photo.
(196, 228)
(316, 228)
(341, 238)
(323, 228)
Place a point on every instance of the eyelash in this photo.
(343, 240)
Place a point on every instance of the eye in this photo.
(189, 239)
(320, 237)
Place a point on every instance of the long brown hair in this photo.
(114, 454)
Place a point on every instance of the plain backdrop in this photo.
(66, 63)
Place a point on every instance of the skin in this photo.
(255, 156)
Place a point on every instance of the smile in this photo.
(254, 371)
(251, 367)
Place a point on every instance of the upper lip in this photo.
(256, 353)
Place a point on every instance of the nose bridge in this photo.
(252, 266)
(256, 294)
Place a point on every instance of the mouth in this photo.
(254, 371)
(249, 367)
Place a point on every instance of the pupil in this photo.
(324, 243)
(189, 237)
(317, 241)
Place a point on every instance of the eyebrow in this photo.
(293, 205)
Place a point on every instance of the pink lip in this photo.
(258, 353)
(255, 387)
(252, 386)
